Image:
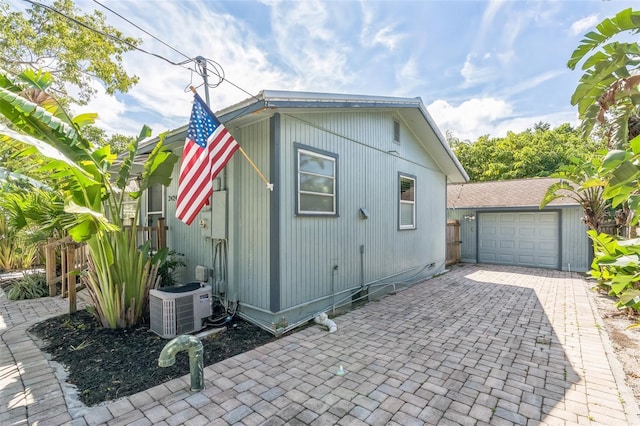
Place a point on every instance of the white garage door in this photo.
(519, 238)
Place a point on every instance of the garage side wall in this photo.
(575, 243)
(468, 253)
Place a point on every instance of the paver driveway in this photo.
(479, 345)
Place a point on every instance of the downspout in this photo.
(333, 288)
(361, 267)
(196, 365)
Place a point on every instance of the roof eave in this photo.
(264, 103)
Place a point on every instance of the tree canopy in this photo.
(607, 94)
(74, 55)
(531, 153)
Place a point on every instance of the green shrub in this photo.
(168, 269)
(616, 266)
(30, 286)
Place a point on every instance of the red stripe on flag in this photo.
(201, 165)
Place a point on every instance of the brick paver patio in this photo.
(480, 345)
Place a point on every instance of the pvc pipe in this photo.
(323, 319)
(196, 364)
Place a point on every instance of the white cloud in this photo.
(470, 119)
(489, 116)
(385, 35)
(161, 89)
(490, 13)
(305, 41)
(476, 74)
(530, 83)
(511, 30)
(110, 111)
(506, 57)
(583, 25)
(408, 78)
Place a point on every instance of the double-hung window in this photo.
(407, 201)
(316, 181)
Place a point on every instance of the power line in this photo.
(201, 68)
(143, 30)
(112, 37)
(216, 68)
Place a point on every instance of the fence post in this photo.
(71, 276)
(162, 233)
(50, 265)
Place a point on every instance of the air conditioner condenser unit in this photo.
(180, 309)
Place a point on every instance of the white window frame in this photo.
(302, 149)
(401, 202)
(155, 213)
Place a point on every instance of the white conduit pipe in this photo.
(323, 319)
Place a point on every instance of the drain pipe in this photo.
(323, 319)
(361, 267)
(333, 288)
(196, 364)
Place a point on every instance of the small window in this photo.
(396, 131)
(316, 175)
(407, 207)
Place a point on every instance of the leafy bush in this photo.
(17, 251)
(30, 286)
(119, 275)
(168, 269)
(616, 266)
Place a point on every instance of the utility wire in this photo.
(143, 30)
(216, 68)
(112, 37)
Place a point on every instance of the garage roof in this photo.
(507, 193)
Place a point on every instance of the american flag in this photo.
(207, 149)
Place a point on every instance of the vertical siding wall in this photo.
(249, 200)
(575, 243)
(187, 240)
(367, 178)
(468, 251)
(248, 221)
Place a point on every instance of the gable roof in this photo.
(500, 194)
(268, 102)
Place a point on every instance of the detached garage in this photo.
(500, 223)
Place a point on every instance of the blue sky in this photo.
(480, 67)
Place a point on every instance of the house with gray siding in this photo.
(358, 205)
(501, 223)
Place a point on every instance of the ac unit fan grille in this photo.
(184, 314)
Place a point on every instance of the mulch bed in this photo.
(108, 364)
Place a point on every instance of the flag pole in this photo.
(242, 151)
(264, 179)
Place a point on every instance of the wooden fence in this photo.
(65, 268)
(453, 242)
(73, 259)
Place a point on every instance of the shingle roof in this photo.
(507, 193)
